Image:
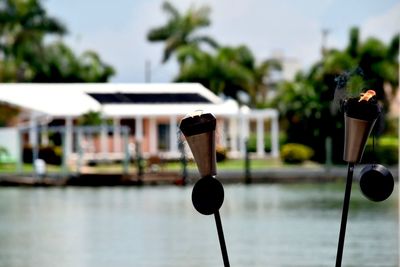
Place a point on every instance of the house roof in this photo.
(148, 98)
(152, 93)
(48, 99)
(115, 100)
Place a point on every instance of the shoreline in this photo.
(272, 175)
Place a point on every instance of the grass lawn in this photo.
(100, 168)
(239, 164)
(28, 168)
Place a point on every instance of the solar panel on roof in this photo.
(148, 98)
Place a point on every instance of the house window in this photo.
(163, 137)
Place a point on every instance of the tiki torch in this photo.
(208, 193)
(360, 117)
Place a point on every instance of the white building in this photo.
(151, 112)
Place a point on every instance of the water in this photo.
(264, 225)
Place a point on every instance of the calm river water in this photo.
(265, 225)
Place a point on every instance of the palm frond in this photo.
(171, 10)
(171, 45)
(205, 39)
(190, 53)
(179, 29)
(158, 34)
(199, 17)
(393, 49)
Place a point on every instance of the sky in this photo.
(117, 29)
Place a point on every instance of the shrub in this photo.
(385, 152)
(50, 154)
(293, 153)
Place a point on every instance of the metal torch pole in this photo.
(345, 211)
(221, 239)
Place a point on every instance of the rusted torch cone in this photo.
(199, 131)
(203, 150)
(356, 135)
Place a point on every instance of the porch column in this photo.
(117, 135)
(244, 132)
(153, 144)
(45, 135)
(79, 149)
(173, 135)
(233, 134)
(68, 137)
(103, 139)
(138, 128)
(33, 131)
(275, 136)
(221, 133)
(19, 161)
(138, 137)
(90, 143)
(260, 137)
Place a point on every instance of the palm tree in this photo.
(23, 25)
(60, 64)
(262, 73)
(24, 57)
(180, 28)
(229, 71)
(307, 105)
(221, 73)
(376, 60)
(93, 69)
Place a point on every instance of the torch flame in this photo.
(367, 95)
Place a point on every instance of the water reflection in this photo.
(265, 225)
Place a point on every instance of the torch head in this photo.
(199, 131)
(355, 138)
(360, 117)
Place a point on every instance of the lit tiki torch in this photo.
(360, 117)
(208, 193)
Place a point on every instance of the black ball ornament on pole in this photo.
(376, 182)
(208, 193)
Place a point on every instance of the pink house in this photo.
(144, 114)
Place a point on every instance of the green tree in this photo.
(180, 29)
(262, 73)
(24, 56)
(220, 72)
(60, 64)
(224, 70)
(90, 118)
(228, 71)
(307, 103)
(23, 25)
